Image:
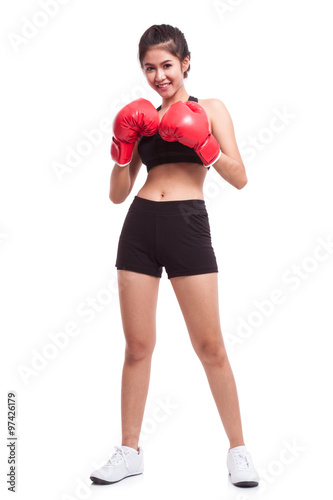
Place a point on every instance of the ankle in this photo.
(236, 443)
(130, 444)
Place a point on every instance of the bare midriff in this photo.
(174, 181)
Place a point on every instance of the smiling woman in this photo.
(165, 74)
(169, 44)
(167, 226)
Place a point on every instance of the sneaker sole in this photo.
(246, 484)
(97, 480)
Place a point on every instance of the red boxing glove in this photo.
(188, 124)
(137, 118)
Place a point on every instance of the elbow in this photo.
(111, 197)
(241, 178)
(116, 198)
(241, 183)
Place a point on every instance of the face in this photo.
(163, 71)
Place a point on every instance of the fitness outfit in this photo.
(171, 234)
(174, 234)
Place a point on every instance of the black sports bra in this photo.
(154, 150)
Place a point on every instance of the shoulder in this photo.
(213, 106)
(216, 110)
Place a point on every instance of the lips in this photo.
(162, 87)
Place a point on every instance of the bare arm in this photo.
(123, 178)
(230, 165)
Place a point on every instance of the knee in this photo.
(137, 350)
(212, 353)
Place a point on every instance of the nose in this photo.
(159, 75)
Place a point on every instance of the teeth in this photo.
(164, 85)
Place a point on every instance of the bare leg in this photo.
(198, 298)
(138, 298)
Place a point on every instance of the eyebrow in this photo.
(150, 64)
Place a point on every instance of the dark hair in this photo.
(169, 38)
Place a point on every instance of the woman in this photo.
(167, 225)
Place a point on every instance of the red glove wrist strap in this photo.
(121, 153)
(209, 151)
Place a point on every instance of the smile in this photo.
(164, 86)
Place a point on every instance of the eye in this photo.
(149, 68)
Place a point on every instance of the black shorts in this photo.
(173, 234)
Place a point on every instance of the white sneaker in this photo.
(124, 462)
(241, 468)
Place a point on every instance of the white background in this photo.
(59, 235)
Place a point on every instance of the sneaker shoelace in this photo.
(116, 457)
(242, 460)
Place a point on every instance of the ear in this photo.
(186, 63)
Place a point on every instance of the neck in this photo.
(180, 95)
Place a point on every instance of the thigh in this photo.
(184, 242)
(198, 299)
(138, 300)
(137, 242)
